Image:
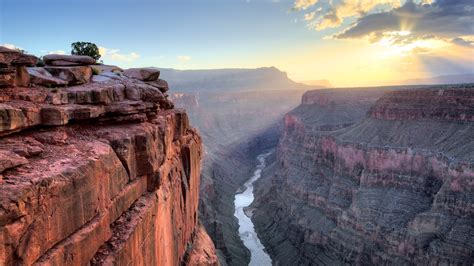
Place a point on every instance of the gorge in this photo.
(296, 213)
(247, 233)
(98, 166)
(233, 136)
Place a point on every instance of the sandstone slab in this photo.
(7, 77)
(22, 78)
(15, 58)
(68, 60)
(143, 74)
(106, 68)
(71, 74)
(10, 159)
(11, 118)
(161, 84)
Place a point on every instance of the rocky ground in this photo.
(362, 180)
(95, 169)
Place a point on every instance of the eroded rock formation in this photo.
(100, 173)
(394, 186)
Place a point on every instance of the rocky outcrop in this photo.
(41, 76)
(144, 74)
(13, 65)
(392, 187)
(101, 173)
(73, 75)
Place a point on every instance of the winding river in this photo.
(246, 228)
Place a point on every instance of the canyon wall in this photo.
(102, 172)
(364, 181)
(235, 127)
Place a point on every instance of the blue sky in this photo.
(159, 31)
(348, 42)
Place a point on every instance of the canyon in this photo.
(233, 136)
(372, 176)
(96, 169)
(105, 166)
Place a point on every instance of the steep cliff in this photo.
(106, 172)
(393, 186)
(235, 127)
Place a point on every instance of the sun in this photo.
(403, 43)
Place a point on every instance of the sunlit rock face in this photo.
(391, 186)
(102, 173)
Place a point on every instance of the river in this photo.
(246, 228)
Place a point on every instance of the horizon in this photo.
(349, 44)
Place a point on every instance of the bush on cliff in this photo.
(85, 48)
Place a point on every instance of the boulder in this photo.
(99, 69)
(15, 58)
(7, 77)
(144, 74)
(100, 78)
(10, 159)
(68, 60)
(71, 74)
(22, 78)
(161, 84)
(11, 118)
(40, 76)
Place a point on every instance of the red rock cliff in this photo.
(106, 172)
(393, 187)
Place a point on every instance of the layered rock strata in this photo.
(101, 173)
(395, 187)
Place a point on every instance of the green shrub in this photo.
(40, 62)
(95, 71)
(85, 48)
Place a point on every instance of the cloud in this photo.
(408, 25)
(464, 41)
(184, 58)
(115, 55)
(304, 4)
(57, 52)
(11, 46)
(334, 13)
(444, 19)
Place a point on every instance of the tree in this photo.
(85, 48)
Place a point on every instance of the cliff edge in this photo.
(95, 169)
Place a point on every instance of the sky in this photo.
(348, 42)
